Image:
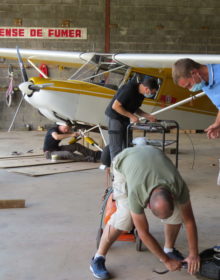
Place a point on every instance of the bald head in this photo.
(161, 203)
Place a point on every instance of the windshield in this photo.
(101, 70)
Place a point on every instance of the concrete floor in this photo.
(54, 237)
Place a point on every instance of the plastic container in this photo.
(54, 158)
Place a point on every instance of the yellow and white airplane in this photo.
(85, 95)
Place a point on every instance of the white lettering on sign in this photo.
(43, 33)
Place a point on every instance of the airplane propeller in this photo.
(27, 87)
(21, 64)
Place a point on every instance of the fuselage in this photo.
(76, 100)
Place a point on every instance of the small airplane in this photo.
(83, 97)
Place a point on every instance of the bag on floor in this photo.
(210, 264)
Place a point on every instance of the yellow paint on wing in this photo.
(168, 88)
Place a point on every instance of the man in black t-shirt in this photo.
(63, 131)
(124, 108)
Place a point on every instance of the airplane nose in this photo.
(25, 88)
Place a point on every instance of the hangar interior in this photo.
(54, 236)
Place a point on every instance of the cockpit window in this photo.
(101, 70)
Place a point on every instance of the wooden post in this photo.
(12, 203)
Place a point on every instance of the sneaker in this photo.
(175, 255)
(98, 268)
(217, 248)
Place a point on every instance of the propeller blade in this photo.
(22, 68)
(27, 88)
(25, 79)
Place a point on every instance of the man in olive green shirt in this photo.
(144, 169)
(144, 176)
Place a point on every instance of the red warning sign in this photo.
(43, 33)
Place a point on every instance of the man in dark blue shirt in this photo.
(63, 131)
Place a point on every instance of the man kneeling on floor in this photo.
(62, 131)
(144, 176)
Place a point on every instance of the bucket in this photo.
(54, 158)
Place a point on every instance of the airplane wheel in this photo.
(98, 237)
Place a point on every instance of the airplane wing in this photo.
(74, 98)
(162, 60)
(46, 56)
(67, 58)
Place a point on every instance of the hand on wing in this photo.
(193, 264)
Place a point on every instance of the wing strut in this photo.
(38, 70)
(179, 103)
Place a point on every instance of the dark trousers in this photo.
(77, 147)
(117, 131)
(67, 152)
